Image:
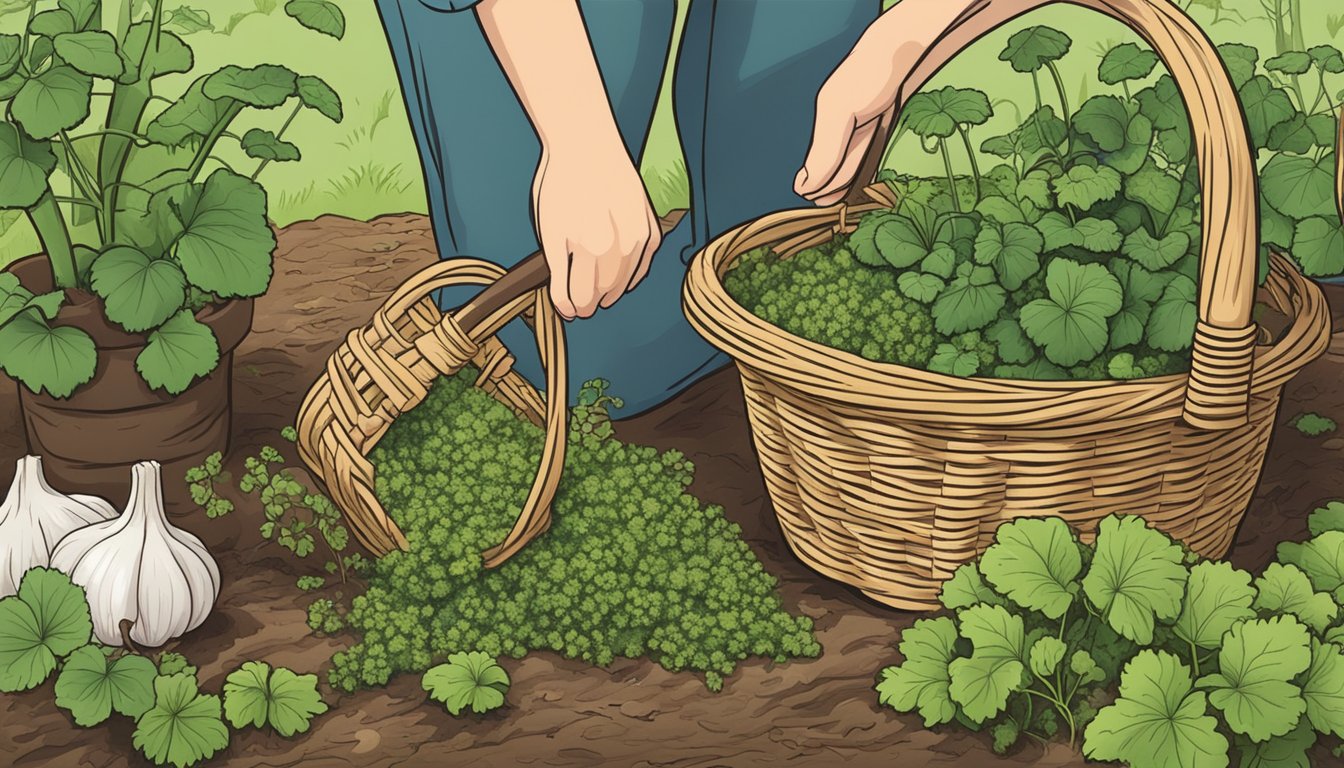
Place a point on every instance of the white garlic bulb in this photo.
(141, 569)
(34, 517)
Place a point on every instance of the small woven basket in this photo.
(888, 478)
(386, 368)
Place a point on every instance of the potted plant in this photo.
(121, 332)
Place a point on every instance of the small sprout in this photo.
(468, 680)
(1314, 424)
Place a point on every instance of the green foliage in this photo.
(325, 617)
(311, 583)
(1314, 424)
(632, 564)
(257, 695)
(468, 680)
(91, 685)
(48, 619)
(165, 241)
(183, 727)
(201, 482)
(1214, 667)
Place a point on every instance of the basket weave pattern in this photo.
(888, 478)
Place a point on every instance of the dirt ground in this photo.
(330, 275)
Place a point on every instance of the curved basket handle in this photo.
(1218, 391)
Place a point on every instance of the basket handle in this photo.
(1217, 393)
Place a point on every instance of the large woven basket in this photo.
(888, 478)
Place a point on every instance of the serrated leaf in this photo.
(91, 686)
(1046, 654)
(93, 53)
(1290, 63)
(922, 680)
(1285, 589)
(1327, 518)
(25, 165)
(1000, 209)
(954, 362)
(1241, 61)
(1289, 751)
(1126, 61)
(969, 303)
(1034, 561)
(257, 695)
(941, 261)
(189, 119)
(1171, 325)
(1161, 103)
(1085, 667)
(938, 113)
(1292, 135)
(318, 15)
(467, 680)
(52, 101)
(1136, 576)
(56, 360)
(317, 95)
(1217, 597)
(920, 286)
(982, 683)
(183, 727)
(1084, 186)
(1141, 288)
(1105, 120)
(1300, 187)
(1159, 721)
(1095, 235)
(1071, 326)
(1012, 249)
(1034, 47)
(51, 23)
(189, 20)
(898, 242)
(226, 244)
(265, 145)
(1321, 558)
(1328, 58)
(1257, 662)
(138, 292)
(1323, 688)
(862, 241)
(1155, 189)
(1154, 254)
(46, 620)
(1011, 341)
(263, 86)
(178, 352)
(967, 588)
(1265, 106)
(174, 56)
(1318, 246)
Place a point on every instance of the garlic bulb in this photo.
(34, 517)
(141, 569)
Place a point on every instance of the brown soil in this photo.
(330, 275)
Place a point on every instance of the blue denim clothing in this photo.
(746, 81)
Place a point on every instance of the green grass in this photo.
(368, 165)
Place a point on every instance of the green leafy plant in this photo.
(294, 513)
(472, 680)
(172, 663)
(325, 616)
(150, 234)
(94, 682)
(183, 727)
(1209, 660)
(47, 620)
(201, 482)
(257, 695)
(1314, 424)
(311, 583)
(1077, 257)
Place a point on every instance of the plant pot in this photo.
(89, 441)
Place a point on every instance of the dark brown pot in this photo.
(89, 441)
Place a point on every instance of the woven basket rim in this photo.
(848, 379)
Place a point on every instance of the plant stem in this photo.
(46, 218)
(1194, 658)
(1036, 84)
(1067, 116)
(951, 177)
(1124, 84)
(208, 143)
(139, 139)
(975, 166)
(76, 201)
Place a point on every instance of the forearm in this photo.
(543, 48)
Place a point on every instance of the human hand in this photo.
(886, 66)
(595, 225)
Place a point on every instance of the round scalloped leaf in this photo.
(1217, 597)
(316, 94)
(1321, 558)
(53, 101)
(1301, 187)
(938, 113)
(967, 588)
(1034, 47)
(1046, 654)
(1327, 518)
(56, 360)
(226, 244)
(922, 680)
(1318, 246)
(1159, 721)
(318, 15)
(138, 292)
(1034, 561)
(91, 686)
(178, 352)
(1285, 589)
(1126, 61)
(183, 727)
(1013, 250)
(265, 145)
(47, 619)
(94, 53)
(1135, 577)
(970, 302)
(1071, 326)
(982, 683)
(25, 165)
(1323, 688)
(1256, 664)
(1171, 325)
(472, 680)
(264, 86)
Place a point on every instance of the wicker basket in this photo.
(888, 478)
(386, 368)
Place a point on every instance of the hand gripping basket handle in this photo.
(1218, 390)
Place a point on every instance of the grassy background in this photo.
(368, 165)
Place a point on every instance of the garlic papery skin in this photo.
(34, 517)
(141, 569)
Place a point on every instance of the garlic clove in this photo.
(142, 569)
(35, 517)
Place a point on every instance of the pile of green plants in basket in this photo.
(1134, 649)
(1077, 256)
(632, 565)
